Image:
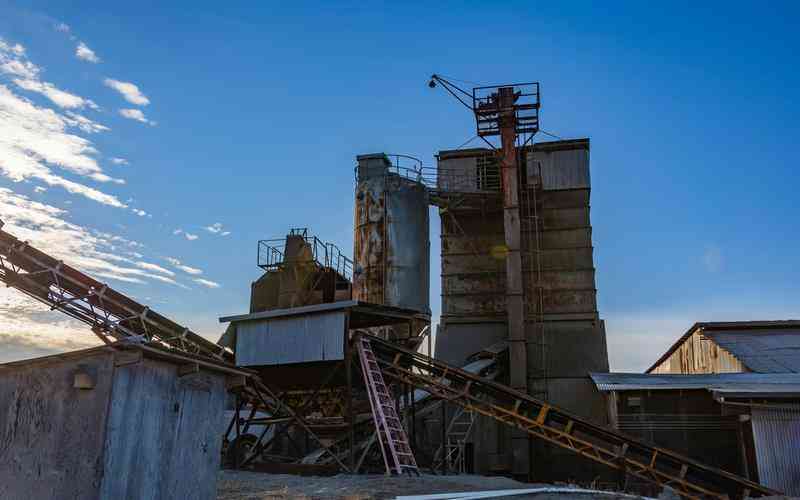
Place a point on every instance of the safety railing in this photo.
(272, 253)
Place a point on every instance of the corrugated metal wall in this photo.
(295, 339)
(776, 433)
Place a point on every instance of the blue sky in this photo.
(255, 113)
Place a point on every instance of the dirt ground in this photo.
(240, 485)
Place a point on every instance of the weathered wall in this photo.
(689, 422)
(293, 339)
(163, 437)
(391, 243)
(700, 355)
(572, 340)
(51, 434)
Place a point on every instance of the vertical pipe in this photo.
(515, 304)
(444, 438)
(348, 360)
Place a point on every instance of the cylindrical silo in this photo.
(392, 245)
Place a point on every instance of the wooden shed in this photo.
(121, 422)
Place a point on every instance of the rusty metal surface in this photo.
(391, 254)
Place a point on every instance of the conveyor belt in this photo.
(689, 478)
(111, 314)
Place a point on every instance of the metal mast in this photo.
(508, 111)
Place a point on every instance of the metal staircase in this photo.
(396, 451)
(451, 453)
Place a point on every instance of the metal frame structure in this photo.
(111, 315)
(541, 420)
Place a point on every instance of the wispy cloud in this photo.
(119, 161)
(39, 189)
(190, 236)
(34, 140)
(84, 53)
(136, 114)
(183, 267)
(101, 254)
(217, 228)
(60, 98)
(206, 283)
(129, 91)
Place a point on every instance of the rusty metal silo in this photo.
(392, 245)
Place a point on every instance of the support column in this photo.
(515, 300)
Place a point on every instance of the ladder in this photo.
(397, 455)
(452, 451)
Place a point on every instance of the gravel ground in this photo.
(241, 485)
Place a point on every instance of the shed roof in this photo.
(785, 384)
(763, 346)
(362, 314)
(148, 351)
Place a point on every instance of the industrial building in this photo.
(726, 393)
(324, 366)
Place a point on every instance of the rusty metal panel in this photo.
(294, 339)
(776, 434)
(392, 247)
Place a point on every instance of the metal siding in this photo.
(567, 169)
(296, 339)
(723, 382)
(776, 433)
(458, 175)
(163, 433)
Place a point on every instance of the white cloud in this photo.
(34, 139)
(206, 283)
(130, 92)
(190, 236)
(60, 98)
(39, 189)
(119, 161)
(62, 27)
(214, 228)
(136, 114)
(154, 267)
(140, 213)
(187, 269)
(177, 231)
(85, 124)
(83, 52)
(91, 251)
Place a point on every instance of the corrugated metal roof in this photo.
(791, 327)
(788, 383)
(762, 351)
